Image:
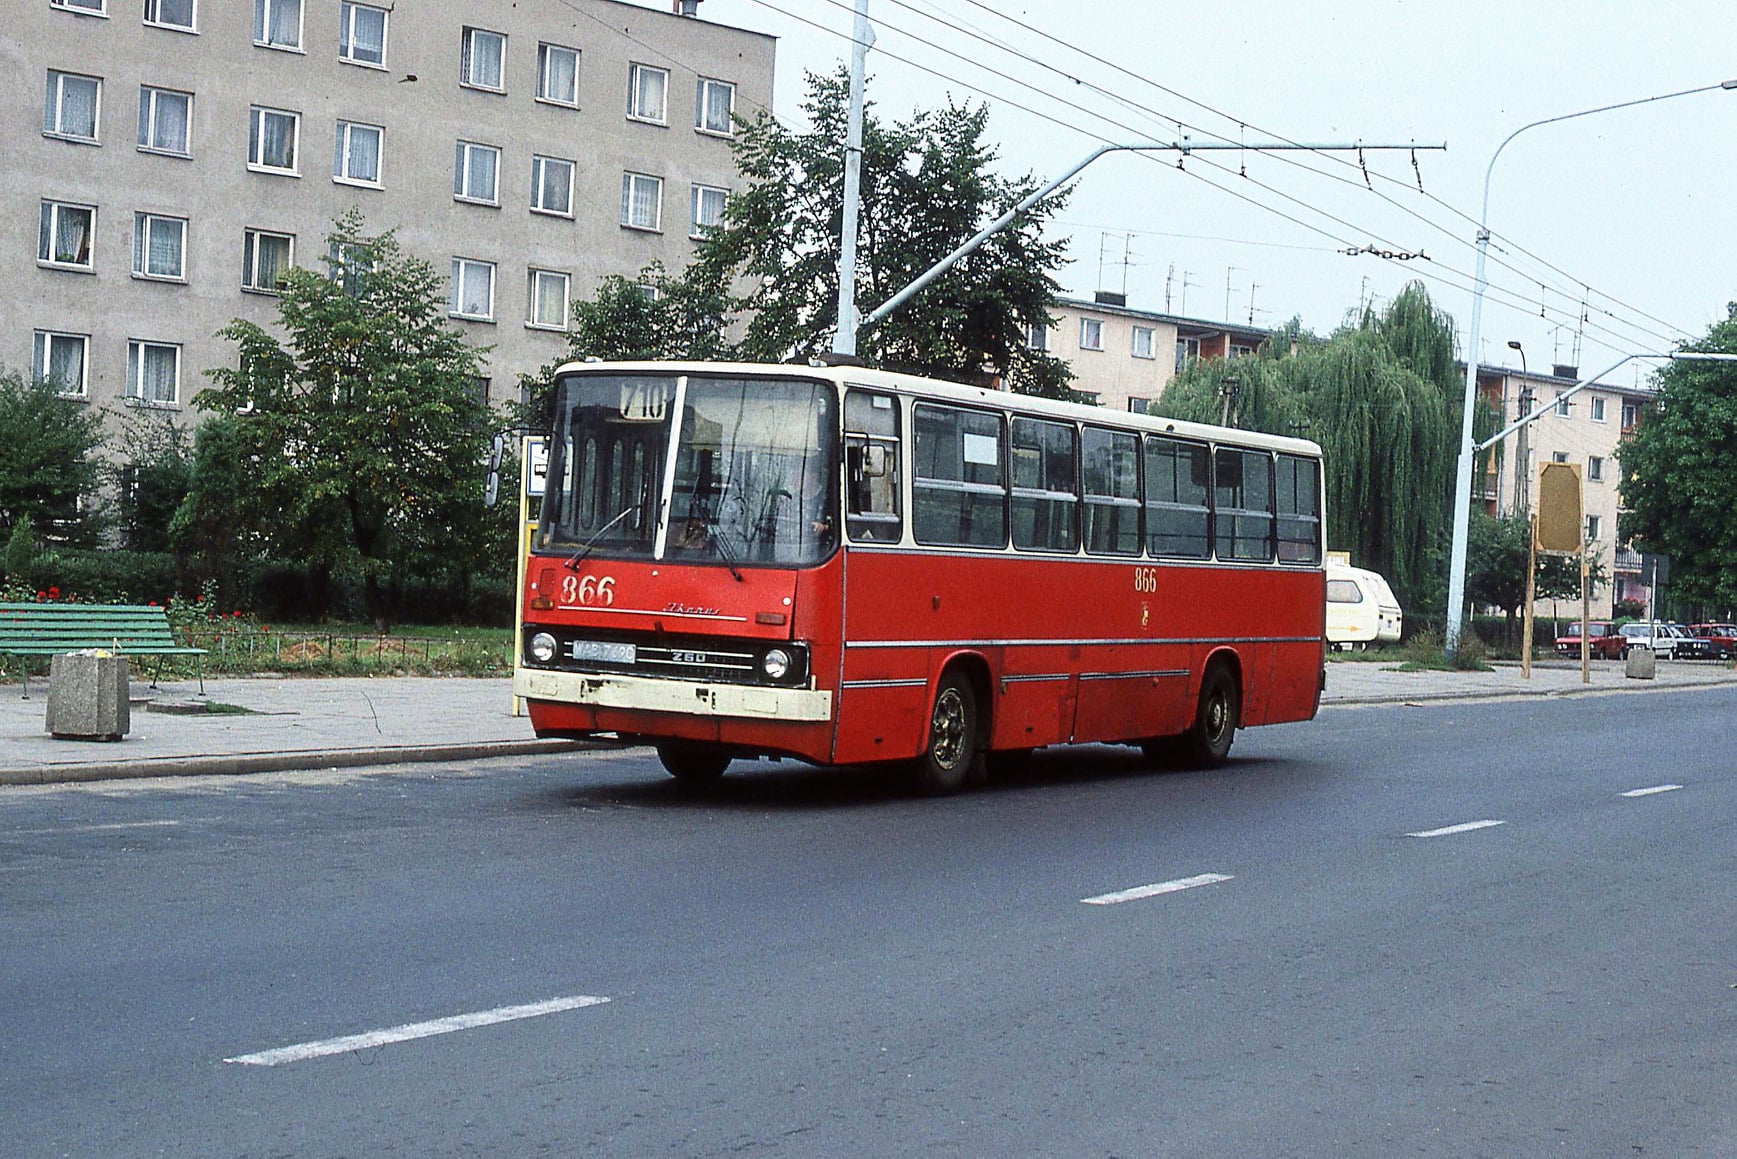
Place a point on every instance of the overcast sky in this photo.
(1633, 208)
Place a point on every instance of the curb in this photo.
(280, 762)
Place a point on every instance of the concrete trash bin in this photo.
(1642, 664)
(87, 696)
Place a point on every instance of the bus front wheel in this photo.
(1207, 742)
(945, 763)
(692, 764)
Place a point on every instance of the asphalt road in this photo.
(807, 962)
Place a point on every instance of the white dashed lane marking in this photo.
(1650, 791)
(1450, 830)
(1142, 891)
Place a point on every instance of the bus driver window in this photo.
(871, 463)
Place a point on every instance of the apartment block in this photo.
(169, 159)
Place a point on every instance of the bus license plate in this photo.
(604, 651)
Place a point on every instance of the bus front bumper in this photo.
(690, 697)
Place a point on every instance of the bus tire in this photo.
(692, 764)
(947, 759)
(1206, 744)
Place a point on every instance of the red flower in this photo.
(40, 596)
(236, 614)
(152, 604)
(53, 592)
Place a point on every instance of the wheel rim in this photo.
(1217, 716)
(947, 729)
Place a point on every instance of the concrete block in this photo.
(1641, 665)
(87, 697)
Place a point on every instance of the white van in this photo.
(1360, 608)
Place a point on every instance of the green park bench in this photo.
(50, 629)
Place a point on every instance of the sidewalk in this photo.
(332, 723)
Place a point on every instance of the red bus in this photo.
(845, 565)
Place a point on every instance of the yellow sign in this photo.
(1559, 510)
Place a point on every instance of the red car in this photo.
(1722, 637)
(1568, 644)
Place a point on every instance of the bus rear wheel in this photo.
(1207, 742)
(692, 764)
(945, 764)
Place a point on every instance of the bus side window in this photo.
(1112, 489)
(1298, 502)
(1243, 505)
(1045, 489)
(958, 493)
(1178, 515)
(871, 465)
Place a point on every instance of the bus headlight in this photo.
(542, 647)
(775, 664)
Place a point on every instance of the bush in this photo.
(105, 577)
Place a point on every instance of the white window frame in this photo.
(348, 11)
(1595, 468)
(266, 30)
(137, 348)
(251, 239)
(1091, 333)
(1037, 336)
(637, 105)
(461, 173)
(54, 107)
(49, 228)
(1187, 352)
(544, 51)
(1596, 407)
(630, 184)
(1563, 402)
(148, 117)
(463, 269)
(540, 166)
(701, 105)
(88, 8)
(144, 226)
(256, 115)
(1593, 526)
(467, 58)
(536, 283)
(697, 228)
(157, 21)
(42, 359)
(343, 154)
(1136, 333)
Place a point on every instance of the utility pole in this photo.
(1228, 271)
(862, 36)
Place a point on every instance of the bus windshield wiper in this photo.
(578, 557)
(724, 549)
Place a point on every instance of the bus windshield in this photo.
(748, 475)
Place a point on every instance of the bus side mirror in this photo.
(492, 489)
(874, 462)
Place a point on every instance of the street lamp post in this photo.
(1522, 476)
(1468, 450)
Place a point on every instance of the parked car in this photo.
(1721, 639)
(1361, 608)
(1666, 640)
(1568, 644)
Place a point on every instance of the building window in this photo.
(707, 210)
(546, 300)
(1630, 415)
(473, 289)
(1597, 408)
(1187, 351)
(278, 24)
(1593, 526)
(1238, 350)
(641, 201)
(356, 154)
(483, 61)
(159, 247)
(1562, 405)
(475, 171)
(1091, 334)
(715, 102)
(60, 360)
(272, 137)
(349, 264)
(1140, 406)
(154, 372)
(89, 7)
(1558, 456)
(558, 75)
(267, 258)
(1037, 337)
(64, 238)
(1595, 468)
(648, 93)
(164, 118)
(362, 34)
(1141, 345)
(70, 106)
(552, 186)
(177, 14)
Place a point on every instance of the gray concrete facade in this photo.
(206, 87)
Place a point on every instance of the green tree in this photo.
(208, 531)
(47, 460)
(1496, 568)
(153, 478)
(361, 434)
(1677, 472)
